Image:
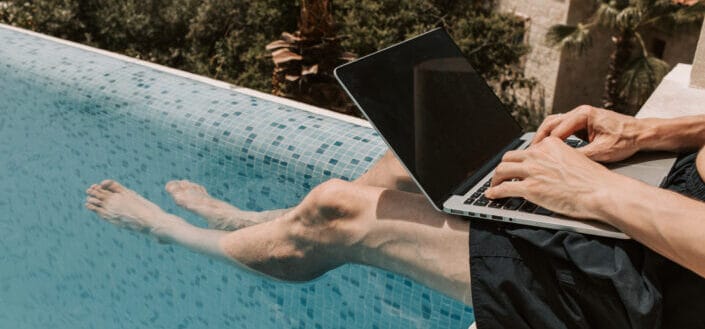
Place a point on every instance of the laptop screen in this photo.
(434, 110)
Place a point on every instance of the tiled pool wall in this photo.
(71, 117)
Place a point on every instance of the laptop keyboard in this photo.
(478, 197)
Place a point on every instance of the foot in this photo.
(125, 208)
(195, 198)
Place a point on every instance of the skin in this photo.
(380, 219)
(567, 181)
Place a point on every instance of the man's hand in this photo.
(611, 136)
(556, 177)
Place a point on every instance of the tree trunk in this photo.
(619, 59)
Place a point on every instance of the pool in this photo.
(71, 116)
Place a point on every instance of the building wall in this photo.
(581, 78)
(570, 80)
(697, 77)
(543, 61)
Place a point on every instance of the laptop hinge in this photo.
(488, 166)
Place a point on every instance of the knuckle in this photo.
(552, 117)
(508, 156)
(584, 108)
(552, 140)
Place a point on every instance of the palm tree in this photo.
(304, 60)
(633, 73)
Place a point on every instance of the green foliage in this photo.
(642, 73)
(226, 39)
(490, 40)
(58, 18)
(574, 38)
(633, 73)
(487, 38)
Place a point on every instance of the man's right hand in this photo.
(611, 136)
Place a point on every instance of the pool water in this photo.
(70, 117)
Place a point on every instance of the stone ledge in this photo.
(674, 97)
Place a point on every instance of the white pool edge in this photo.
(199, 78)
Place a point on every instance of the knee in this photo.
(330, 200)
(329, 215)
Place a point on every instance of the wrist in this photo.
(677, 134)
(612, 199)
(649, 134)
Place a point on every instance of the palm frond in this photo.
(643, 4)
(574, 38)
(692, 14)
(656, 8)
(671, 17)
(605, 15)
(629, 18)
(641, 77)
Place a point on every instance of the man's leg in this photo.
(387, 172)
(337, 223)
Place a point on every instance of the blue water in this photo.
(70, 118)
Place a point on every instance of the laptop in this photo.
(449, 130)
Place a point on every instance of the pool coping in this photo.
(199, 78)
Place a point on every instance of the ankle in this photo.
(167, 228)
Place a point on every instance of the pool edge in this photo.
(199, 78)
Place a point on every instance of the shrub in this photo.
(226, 39)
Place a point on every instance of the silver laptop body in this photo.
(438, 116)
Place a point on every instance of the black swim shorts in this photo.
(525, 277)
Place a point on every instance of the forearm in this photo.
(678, 134)
(673, 227)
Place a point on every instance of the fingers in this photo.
(506, 190)
(507, 171)
(514, 156)
(562, 126)
(568, 126)
(546, 127)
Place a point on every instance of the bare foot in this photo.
(219, 214)
(125, 208)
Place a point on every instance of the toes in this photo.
(98, 210)
(91, 188)
(97, 191)
(94, 201)
(112, 185)
(177, 185)
(171, 186)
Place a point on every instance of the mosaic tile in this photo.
(70, 118)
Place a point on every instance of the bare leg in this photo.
(337, 223)
(386, 173)
(219, 214)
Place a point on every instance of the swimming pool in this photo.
(70, 117)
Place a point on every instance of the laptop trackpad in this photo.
(648, 167)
